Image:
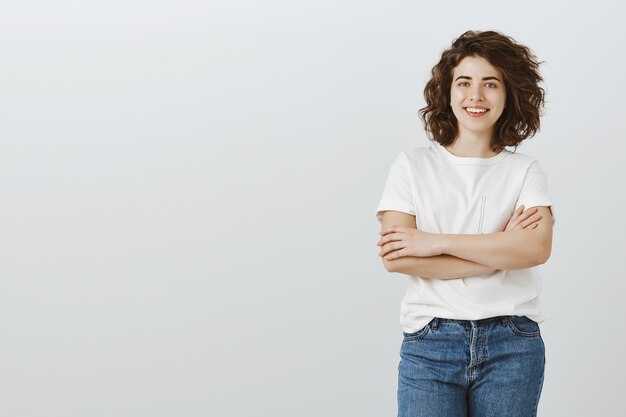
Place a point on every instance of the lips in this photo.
(476, 114)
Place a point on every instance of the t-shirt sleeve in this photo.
(535, 190)
(397, 194)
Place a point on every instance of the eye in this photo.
(492, 85)
(462, 83)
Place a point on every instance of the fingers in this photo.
(531, 220)
(525, 215)
(528, 213)
(390, 247)
(521, 219)
(394, 255)
(384, 250)
(391, 242)
(519, 211)
(389, 238)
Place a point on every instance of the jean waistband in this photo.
(435, 321)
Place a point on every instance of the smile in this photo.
(475, 111)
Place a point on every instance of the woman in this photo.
(453, 220)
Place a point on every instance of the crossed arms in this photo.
(472, 254)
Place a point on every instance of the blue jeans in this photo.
(478, 368)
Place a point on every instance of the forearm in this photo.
(437, 267)
(513, 249)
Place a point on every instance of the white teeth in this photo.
(474, 110)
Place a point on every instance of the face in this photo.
(477, 86)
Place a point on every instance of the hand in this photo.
(526, 220)
(397, 241)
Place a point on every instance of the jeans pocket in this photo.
(418, 334)
(523, 326)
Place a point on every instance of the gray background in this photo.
(188, 193)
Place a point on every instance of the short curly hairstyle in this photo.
(520, 70)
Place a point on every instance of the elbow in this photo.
(543, 255)
(389, 265)
(395, 265)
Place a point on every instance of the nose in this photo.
(476, 94)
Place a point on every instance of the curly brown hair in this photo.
(524, 97)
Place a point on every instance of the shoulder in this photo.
(416, 156)
(522, 161)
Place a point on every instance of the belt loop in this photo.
(504, 319)
(434, 323)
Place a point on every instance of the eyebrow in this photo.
(484, 78)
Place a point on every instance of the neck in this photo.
(472, 145)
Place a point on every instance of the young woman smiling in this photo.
(453, 220)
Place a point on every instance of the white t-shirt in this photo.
(452, 194)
